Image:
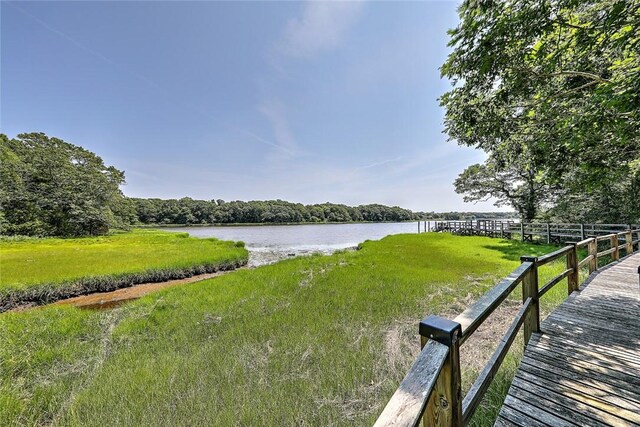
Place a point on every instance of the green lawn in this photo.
(49, 269)
(308, 341)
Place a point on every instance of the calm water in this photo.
(267, 243)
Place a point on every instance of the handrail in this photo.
(406, 406)
(549, 232)
(551, 283)
(605, 237)
(586, 260)
(473, 316)
(431, 389)
(581, 244)
(554, 255)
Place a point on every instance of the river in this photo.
(270, 243)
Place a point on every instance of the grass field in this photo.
(309, 341)
(43, 270)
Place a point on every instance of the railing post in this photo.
(444, 407)
(521, 231)
(614, 244)
(572, 263)
(548, 234)
(530, 290)
(593, 252)
(582, 233)
(628, 237)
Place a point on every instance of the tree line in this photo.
(188, 211)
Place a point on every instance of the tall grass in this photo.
(44, 270)
(320, 340)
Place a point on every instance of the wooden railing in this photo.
(431, 391)
(543, 232)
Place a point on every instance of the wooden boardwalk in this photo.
(584, 368)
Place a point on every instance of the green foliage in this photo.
(253, 347)
(45, 270)
(549, 88)
(52, 188)
(189, 211)
(508, 185)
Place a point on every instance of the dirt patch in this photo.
(401, 346)
(106, 300)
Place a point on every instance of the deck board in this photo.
(584, 367)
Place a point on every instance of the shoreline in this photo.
(114, 298)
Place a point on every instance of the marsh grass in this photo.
(320, 340)
(39, 271)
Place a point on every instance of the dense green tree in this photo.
(515, 182)
(189, 211)
(558, 77)
(51, 187)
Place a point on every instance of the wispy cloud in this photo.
(383, 162)
(275, 112)
(322, 27)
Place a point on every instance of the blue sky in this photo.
(302, 101)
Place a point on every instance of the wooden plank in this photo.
(545, 259)
(530, 291)
(572, 401)
(620, 352)
(603, 319)
(603, 304)
(572, 396)
(609, 369)
(517, 417)
(573, 317)
(607, 252)
(621, 321)
(551, 283)
(541, 416)
(591, 324)
(587, 354)
(605, 237)
(593, 254)
(594, 390)
(575, 418)
(587, 370)
(615, 291)
(408, 402)
(591, 378)
(503, 422)
(584, 242)
(444, 406)
(583, 334)
(601, 342)
(586, 260)
(614, 288)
